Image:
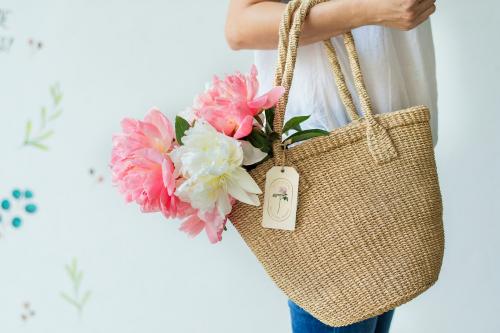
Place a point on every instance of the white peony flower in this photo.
(211, 164)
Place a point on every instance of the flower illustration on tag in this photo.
(282, 195)
(279, 202)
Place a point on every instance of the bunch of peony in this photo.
(196, 171)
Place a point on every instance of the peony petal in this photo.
(254, 200)
(267, 100)
(252, 83)
(214, 224)
(239, 194)
(168, 175)
(158, 119)
(243, 178)
(214, 230)
(192, 225)
(128, 125)
(220, 119)
(213, 233)
(150, 131)
(251, 154)
(245, 128)
(223, 204)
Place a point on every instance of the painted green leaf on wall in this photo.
(47, 115)
(75, 297)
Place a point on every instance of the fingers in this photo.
(425, 15)
(424, 5)
(419, 13)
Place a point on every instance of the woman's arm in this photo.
(254, 24)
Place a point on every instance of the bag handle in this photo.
(379, 142)
(284, 31)
(344, 93)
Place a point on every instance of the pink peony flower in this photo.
(144, 173)
(230, 105)
(141, 167)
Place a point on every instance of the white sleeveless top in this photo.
(398, 68)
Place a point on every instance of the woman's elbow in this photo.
(234, 37)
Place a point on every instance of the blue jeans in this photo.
(303, 322)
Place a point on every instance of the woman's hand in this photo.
(253, 24)
(399, 14)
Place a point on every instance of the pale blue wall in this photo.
(118, 58)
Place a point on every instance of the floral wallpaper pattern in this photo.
(6, 39)
(16, 208)
(74, 256)
(38, 137)
(76, 297)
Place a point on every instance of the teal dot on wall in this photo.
(28, 194)
(16, 193)
(5, 204)
(30, 208)
(16, 222)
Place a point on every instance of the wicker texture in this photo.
(369, 233)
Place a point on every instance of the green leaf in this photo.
(71, 268)
(259, 120)
(58, 99)
(305, 134)
(296, 128)
(56, 115)
(85, 298)
(45, 136)
(269, 113)
(70, 300)
(38, 145)
(273, 136)
(27, 131)
(294, 123)
(259, 140)
(43, 117)
(55, 92)
(78, 280)
(69, 271)
(181, 126)
(74, 268)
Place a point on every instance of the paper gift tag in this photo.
(280, 198)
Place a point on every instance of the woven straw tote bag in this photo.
(369, 232)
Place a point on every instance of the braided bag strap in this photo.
(378, 139)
